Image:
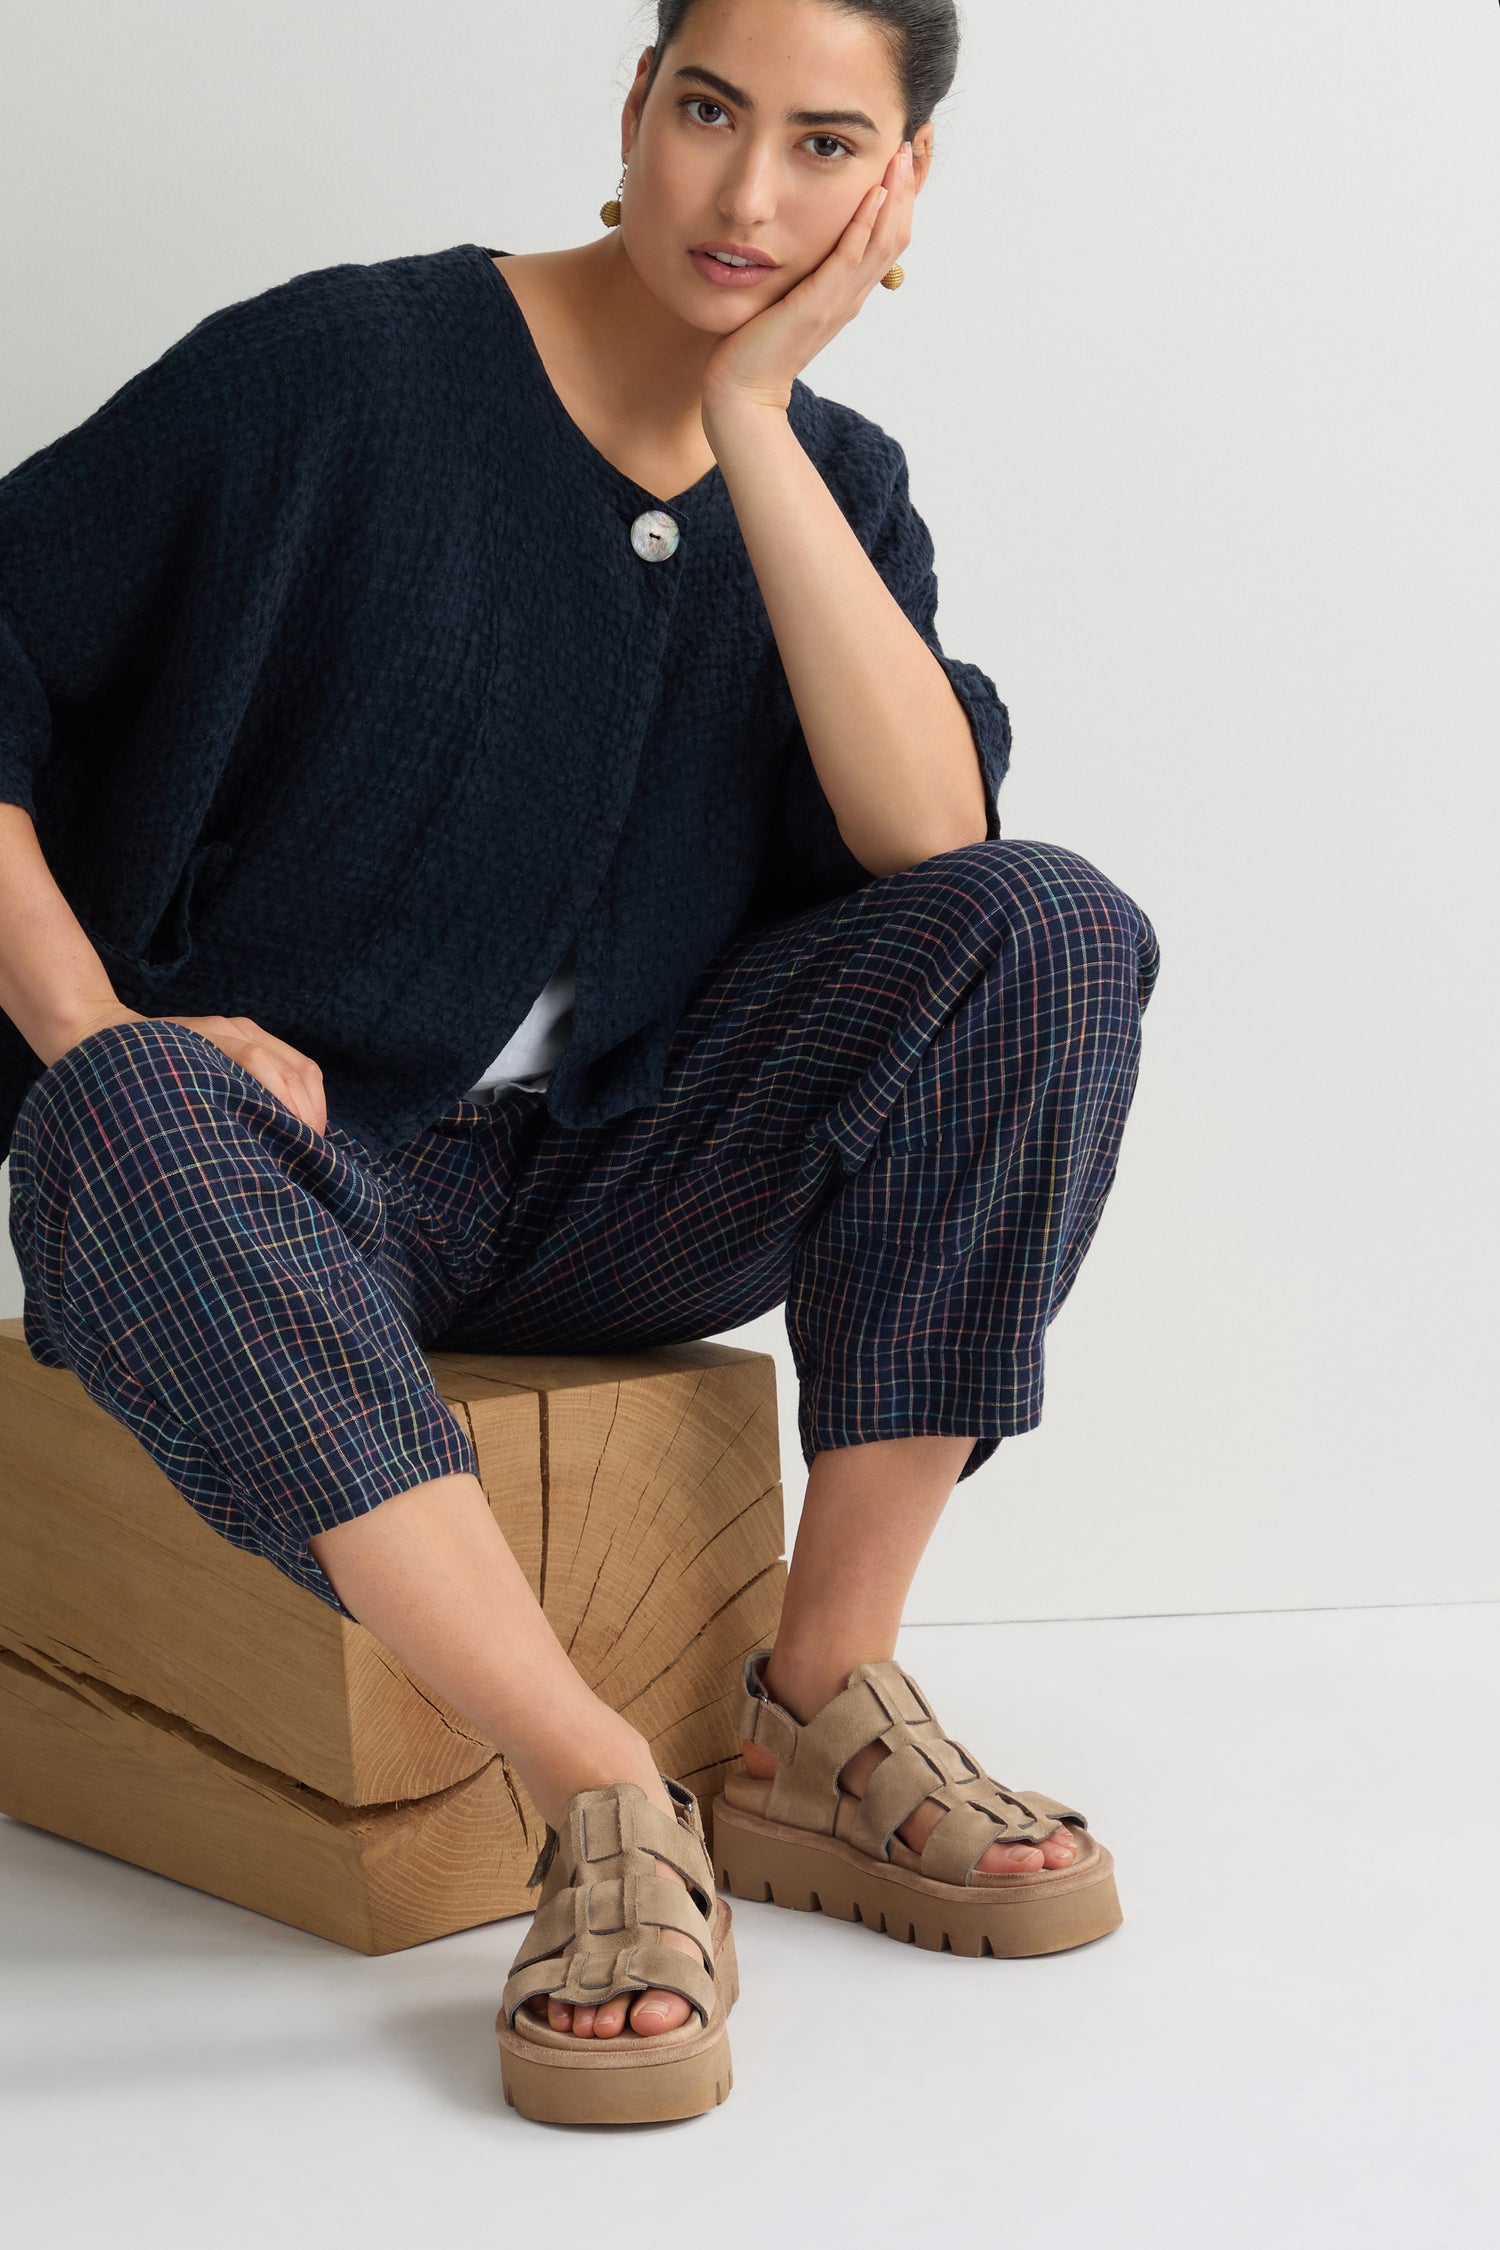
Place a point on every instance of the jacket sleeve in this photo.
(102, 529)
(808, 861)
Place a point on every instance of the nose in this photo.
(748, 200)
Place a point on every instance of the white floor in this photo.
(1292, 2040)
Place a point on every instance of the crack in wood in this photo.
(749, 1509)
(738, 1595)
(625, 1623)
(544, 1443)
(724, 1696)
(614, 1417)
(253, 1773)
(521, 1821)
(398, 1672)
(723, 1455)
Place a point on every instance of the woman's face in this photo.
(768, 121)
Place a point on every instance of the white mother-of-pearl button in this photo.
(654, 535)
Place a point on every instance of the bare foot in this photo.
(647, 2011)
(1057, 1850)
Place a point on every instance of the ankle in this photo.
(802, 1682)
(594, 1758)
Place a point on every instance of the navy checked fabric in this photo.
(900, 1112)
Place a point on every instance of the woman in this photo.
(477, 638)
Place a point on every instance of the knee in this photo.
(147, 1043)
(1051, 897)
(138, 1066)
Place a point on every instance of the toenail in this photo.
(1021, 1851)
(653, 2015)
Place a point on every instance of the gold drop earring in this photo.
(610, 214)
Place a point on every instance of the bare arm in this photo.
(55, 991)
(889, 738)
(53, 985)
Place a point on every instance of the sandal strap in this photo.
(646, 1966)
(883, 1703)
(596, 1932)
(606, 1825)
(1054, 1805)
(602, 1910)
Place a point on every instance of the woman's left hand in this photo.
(759, 361)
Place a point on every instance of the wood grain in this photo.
(105, 1565)
(175, 1700)
(113, 1772)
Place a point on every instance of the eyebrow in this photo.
(793, 116)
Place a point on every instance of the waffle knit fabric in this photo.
(341, 698)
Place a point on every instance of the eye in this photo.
(705, 101)
(838, 144)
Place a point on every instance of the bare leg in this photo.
(869, 1513)
(431, 1574)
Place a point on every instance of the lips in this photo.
(719, 276)
(735, 250)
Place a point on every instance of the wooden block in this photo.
(641, 1494)
(660, 1560)
(105, 1567)
(639, 1491)
(111, 1771)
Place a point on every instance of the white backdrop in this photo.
(1196, 368)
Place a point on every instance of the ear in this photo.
(630, 116)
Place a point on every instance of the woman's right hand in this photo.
(291, 1076)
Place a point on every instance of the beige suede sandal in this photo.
(595, 1934)
(800, 1840)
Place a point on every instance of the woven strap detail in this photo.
(596, 1933)
(883, 1703)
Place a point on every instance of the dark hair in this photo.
(920, 35)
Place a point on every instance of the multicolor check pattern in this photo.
(899, 1112)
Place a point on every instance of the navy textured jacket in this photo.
(342, 700)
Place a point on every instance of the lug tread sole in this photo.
(554, 2078)
(1046, 1912)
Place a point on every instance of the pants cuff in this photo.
(986, 1396)
(439, 1448)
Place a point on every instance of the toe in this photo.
(659, 2011)
(1060, 1849)
(1011, 1859)
(560, 2015)
(609, 2019)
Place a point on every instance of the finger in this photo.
(867, 216)
(281, 1086)
(312, 1105)
(897, 208)
(274, 1075)
(869, 247)
(304, 1080)
(889, 215)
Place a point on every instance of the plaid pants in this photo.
(899, 1112)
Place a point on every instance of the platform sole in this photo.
(650, 2080)
(1042, 1913)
